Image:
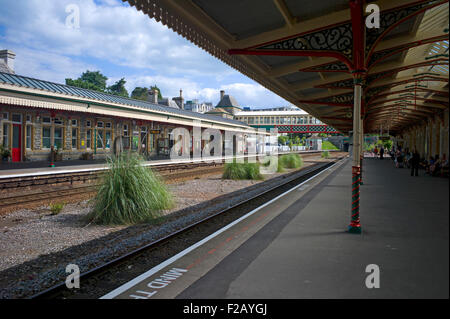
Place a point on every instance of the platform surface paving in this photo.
(305, 252)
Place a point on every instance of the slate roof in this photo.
(228, 101)
(71, 91)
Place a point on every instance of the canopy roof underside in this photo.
(304, 51)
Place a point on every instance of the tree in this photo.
(118, 88)
(140, 93)
(159, 91)
(282, 139)
(92, 80)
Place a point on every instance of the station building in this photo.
(37, 116)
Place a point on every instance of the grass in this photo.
(327, 145)
(56, 208)
(129, 194)
(238, 171)
(325, 154)
(273, 160)
(290, 161)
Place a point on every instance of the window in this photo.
(74, 122)
(58, 121)
(28, 117)
(74, 137)
(58, 137)
(46, 120)
(126, 138)
(28, 137)
(5, 115)
(88, 123)
(88, 138)
(266, 120)
(272, 120)
(100, 139)
(100, 124)
(16, 118)
(144, 138)
(108, 125)
(251, 120)
(6, 134)
(46, 137)
(107, 139)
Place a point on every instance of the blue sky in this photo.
(120, 42)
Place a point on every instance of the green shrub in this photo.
(238, 171)
(252, 170)
(129, 193)
(56, 208)
(290, 161)
(325, 154)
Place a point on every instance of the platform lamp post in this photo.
(359, 73)
(355, 226)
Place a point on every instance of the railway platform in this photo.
(298, 246)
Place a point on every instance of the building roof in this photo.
(271, 113)
(228, 101)
(168, 102)
(71, 91)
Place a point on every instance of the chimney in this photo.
(153, 96)
(8, 58)
(179, 100)
(222, 93)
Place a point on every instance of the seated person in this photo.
(429, 165)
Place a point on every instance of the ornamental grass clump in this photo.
(291, 161)
(129, 193)
(325, 154)
(271, 161)
(252, 170)
(238, 171)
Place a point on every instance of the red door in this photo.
(17, 143)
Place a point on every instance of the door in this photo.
(17, 143)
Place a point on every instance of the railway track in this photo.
(89, 175)
(149, 255)
(51, 195)
(185, 170)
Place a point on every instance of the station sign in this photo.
(155, 131)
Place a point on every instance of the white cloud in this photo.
(121, 42)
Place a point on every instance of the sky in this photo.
(119, 41)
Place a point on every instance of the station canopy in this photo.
(308, 52)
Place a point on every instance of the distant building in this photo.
(195, 106)
(176, 102)
(227, 106)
